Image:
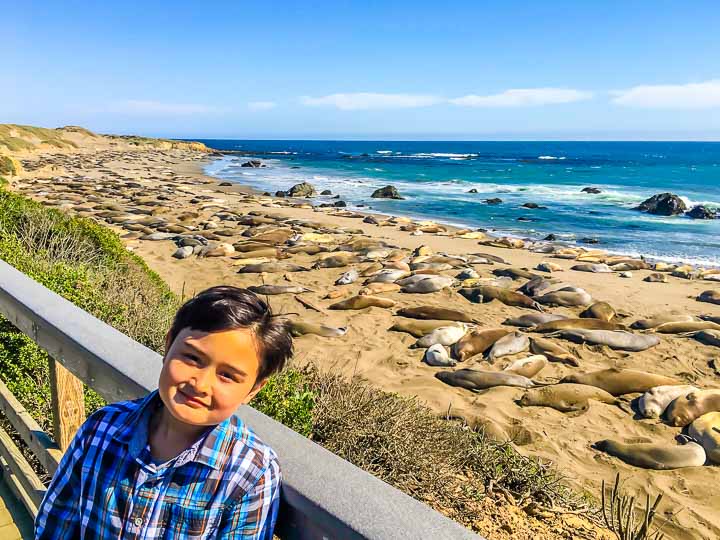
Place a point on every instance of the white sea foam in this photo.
(384, 152)
(551, 157)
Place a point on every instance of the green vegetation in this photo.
(18, 138)
(620, 514)
(9, 166)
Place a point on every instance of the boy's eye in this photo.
(228, 376)
(192, 358)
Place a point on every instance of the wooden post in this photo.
(68, 404)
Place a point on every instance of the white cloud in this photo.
(368, 100)
(704, 95)
(523, 97)
(159, 108)
(261, 105)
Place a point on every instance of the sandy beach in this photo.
(167, 189)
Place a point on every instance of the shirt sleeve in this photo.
(254, 516)
(59, 516)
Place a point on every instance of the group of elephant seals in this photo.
(430, 312)
(658, 456)
(692, 405)
(617, 381)
(476, 380)
(528, 367)
(300, 328)
(565, 397)
(615, 339)
(477, 342)
(599, 310)
(706, 430)
(552, 351)
(362, 302)
(654, 402)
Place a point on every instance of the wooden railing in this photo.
(323, 496)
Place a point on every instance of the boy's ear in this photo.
(168, 342)
(258, 386)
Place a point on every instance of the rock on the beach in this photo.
(663, 204)
(701, 212)
(254, 163)
(387, 192)
(591, 190)
(303, 189)
(183, 252)
(280, 194)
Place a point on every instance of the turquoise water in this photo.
(435, 178)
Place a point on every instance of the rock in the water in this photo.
(473, 190)
(534, 206)
(590, 241)
(326, 192)
(302, 190)
(493, 201)
(550, 238)
(663, 204)
(702, 212)
(592, 190)
(340, 204)
(254, 163)
(387, 192)
(183, 252)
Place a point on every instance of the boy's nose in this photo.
(201, 382)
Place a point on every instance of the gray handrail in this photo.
(323, 496)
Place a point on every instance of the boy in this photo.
(177, 463)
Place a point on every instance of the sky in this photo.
(425, 70)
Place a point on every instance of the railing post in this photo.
(68, 404)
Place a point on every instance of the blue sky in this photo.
(367, 69)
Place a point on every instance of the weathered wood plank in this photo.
(19, 474)
(30, 431)
(68, 404)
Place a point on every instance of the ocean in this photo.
(435, 178)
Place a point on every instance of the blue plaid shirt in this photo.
(225, 486)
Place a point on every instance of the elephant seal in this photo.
(428, 285)
(386, 276)
(656, 277)
(372, 269)
(351, 276)
(335, 261)
(533, 319)
(430, 312)
(708, 337)
(599, 310)
(477, 342)
(706, 429)
(475, 379)
(528, 367)
(594, 268)
(362, 302)
(615, 339)
(711, 318)
(271, 267)
(564, 298)
(653, 322)
(687, 407)
(540, 285)
(684, 327)
(658, 456)
(553, 352)
(573, 324)
(487, 293)
(565, 397)
(515, 273)
(514, 343)
(445, 335)
(277, 289)
(437, 356)
(300, 328)
(652, 404)
(619, 381)
(711, 296)
(419, 327)
(375, 288)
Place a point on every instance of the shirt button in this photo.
(138, 521)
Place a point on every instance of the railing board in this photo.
(23, 480)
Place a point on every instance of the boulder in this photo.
(702, 212)
(225, 184)
(326, 192)
(280, 194)
(302, 190)
(387, 192)
(254, 163)
(589, 240)
(534, 206)
(592, 190)
(550, 238)
(493, 201)
(340, 204)
(473, 190)
(663, 204)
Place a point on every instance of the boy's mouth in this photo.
(192, 401)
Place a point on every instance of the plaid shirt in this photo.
(226, 485)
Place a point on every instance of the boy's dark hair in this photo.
(228, 308)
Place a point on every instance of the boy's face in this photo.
(206, 376)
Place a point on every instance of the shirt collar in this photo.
(208, 449)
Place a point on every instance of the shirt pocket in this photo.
(193, 524)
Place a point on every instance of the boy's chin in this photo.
(191, 416)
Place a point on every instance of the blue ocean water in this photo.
(435, 178)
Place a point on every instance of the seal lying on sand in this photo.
(430, 312)
(277, 289)
(514, 343)
(565, 397)
(487, 293)
(351, 276)
(683, 327)
(615, 339)
(599, 310)
(362, 302)
(553, 352)
(528, 367)
(706, 429)
(271, 267)
(687, 407)
(474, 379)
(571, 324)
(428, 285)
(437, 355)
(652, 404)
(566, 298)
(445, 335)
(711, 296)
(658, 456)
(533, 319)
(618, 381)
(653, 322)
(477, 342)
(418, 327)
(300, 328)
(708, 337)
